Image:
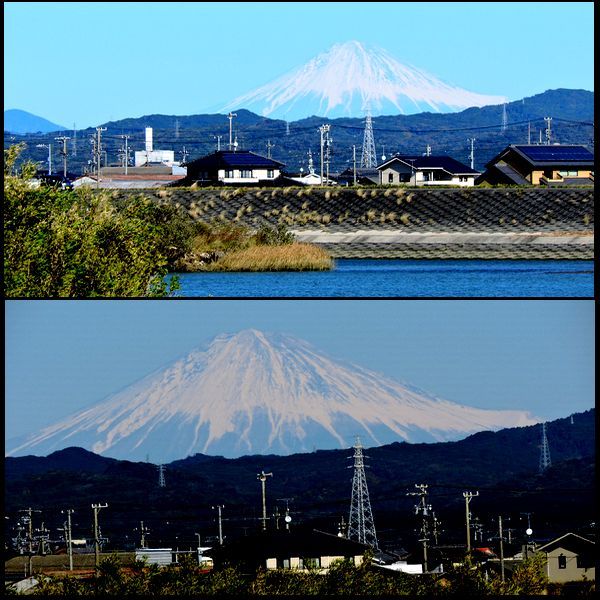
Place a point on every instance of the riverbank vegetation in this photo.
(90, 243)
(342, 579)
(292, 257)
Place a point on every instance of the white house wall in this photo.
(257, 175)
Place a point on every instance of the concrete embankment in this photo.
(507, 223)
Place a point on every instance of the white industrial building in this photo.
(149, 156)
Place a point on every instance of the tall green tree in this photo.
(80, 244)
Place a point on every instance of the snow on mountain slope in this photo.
(257, 393)
(343, 80)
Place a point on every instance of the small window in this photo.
(270, 173)
(391, 178)
(562, 562)
(245, 173)
(229, 174)
(312, 562)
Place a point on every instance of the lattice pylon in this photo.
(545, 460)
(368, 157)
(361, 525)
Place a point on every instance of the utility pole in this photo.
(63, 152)
(269, 146)
(219, 507)
(472, 154)
(529, 133)
(323, 129)
(69, 539)
(262, 476)
(327, 156)
(468, 496)
(96, 508)
(287, 517)
(548, 129)
(501, 546)
(354, 161)
(413, 175)
(424, 509)
(99, 152)
(126, 150)
(184, 154)
(230, 117)
(143, 532)
(49, 146)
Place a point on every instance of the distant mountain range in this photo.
(21, 121)
(502, 466)
(259, 393)
(572, 113)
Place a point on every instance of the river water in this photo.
(404, 278)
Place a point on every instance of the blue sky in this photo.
(91, 62)
(512, 354)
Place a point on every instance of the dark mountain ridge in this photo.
(503, 466)
(572, 112)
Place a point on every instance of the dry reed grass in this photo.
(289, 257)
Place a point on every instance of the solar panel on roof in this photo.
(556, 153)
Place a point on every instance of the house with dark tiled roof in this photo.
(570, 557)
(425, 171)
(529, 164)
(240, 167)
(287, 549)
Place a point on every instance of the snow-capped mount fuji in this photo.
(350, 77)
(257, 393)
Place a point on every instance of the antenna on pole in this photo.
(361, 526)
(368, 158)
(269, 146)
(545, 461)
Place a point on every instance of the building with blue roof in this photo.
(422, 171)
(552, 165)
(228, 167)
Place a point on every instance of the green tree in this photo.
(80, 244)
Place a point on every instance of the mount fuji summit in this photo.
(258, 393)
(350, 77)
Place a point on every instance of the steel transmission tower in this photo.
(368, 158)
(161, 476)
(545, 461)
(504, 119)
(361, 525)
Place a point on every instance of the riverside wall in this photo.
(392, 222)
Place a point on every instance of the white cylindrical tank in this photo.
(148, 139)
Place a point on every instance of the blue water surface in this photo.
(404, 278)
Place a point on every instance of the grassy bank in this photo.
(289, 257)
